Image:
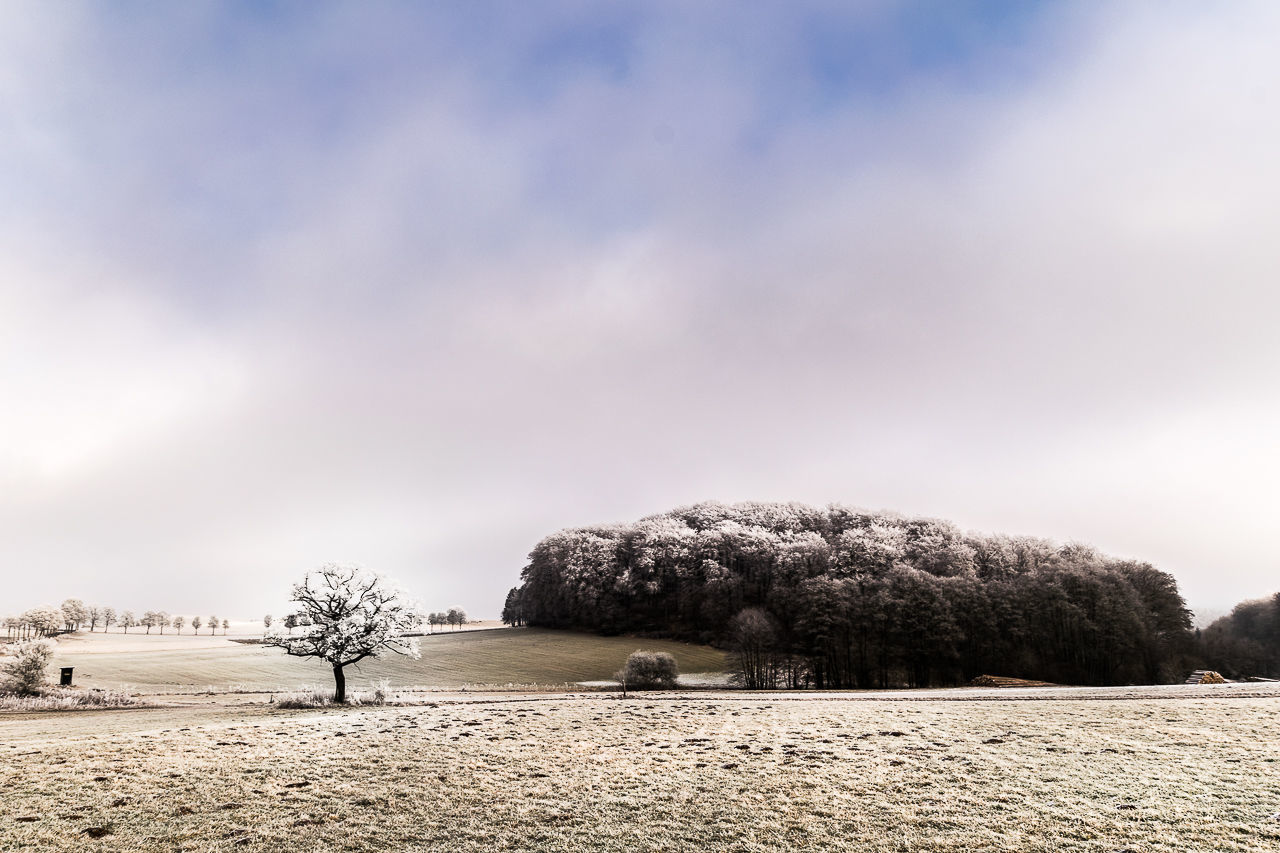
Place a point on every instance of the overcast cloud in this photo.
(413, 288)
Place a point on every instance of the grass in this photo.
(657, 774)
(496, 657)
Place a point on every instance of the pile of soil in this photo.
(1002, 681)
(1212, 677)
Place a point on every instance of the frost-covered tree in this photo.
(291, 622)
(43, 620)
(213, 625)
(354, 614)
(457, 617)
(196, 622)
(178, 622)
(226, 623)
(266, 621)
(127, 620)
(108, 618)
(73, 613)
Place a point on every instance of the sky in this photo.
(415, 285)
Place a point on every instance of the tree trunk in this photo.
(340, 684)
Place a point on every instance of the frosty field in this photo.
(655, 772)
(186, 663)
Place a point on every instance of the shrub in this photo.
(646, 669)
(24, 673)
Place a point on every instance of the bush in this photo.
(648, 670)
(24, 673)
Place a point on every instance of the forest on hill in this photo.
(1246, 642)
(838, 597)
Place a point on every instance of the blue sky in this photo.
(413, 286)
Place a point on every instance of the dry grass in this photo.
(657, 773)
(65, 699)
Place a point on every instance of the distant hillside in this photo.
(837, 597)
(1246, 642)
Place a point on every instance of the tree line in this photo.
(837, 597)
(74, 615)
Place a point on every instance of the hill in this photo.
(499, 656)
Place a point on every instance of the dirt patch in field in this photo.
(1003, 681)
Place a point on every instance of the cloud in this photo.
(414, 288)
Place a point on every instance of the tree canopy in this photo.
(354, 614)
(839, 597)
(1246, 642)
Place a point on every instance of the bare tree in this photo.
(354, 614)
(457, 617)
(178, 622)
(225, 625)
(266, 622)
(752, 636)
(127, 621)
(108, 618)
(196, 622)
(213, 624)
(95, 616)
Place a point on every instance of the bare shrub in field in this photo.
(645, 670)
(64, 699)
(25, 672)
(381, 694)
(306, 699)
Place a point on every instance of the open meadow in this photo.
(186, 663)
(672, 771)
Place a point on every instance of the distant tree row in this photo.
(1245, 642)
(455, 616)
(837, 597)
(74, 615)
